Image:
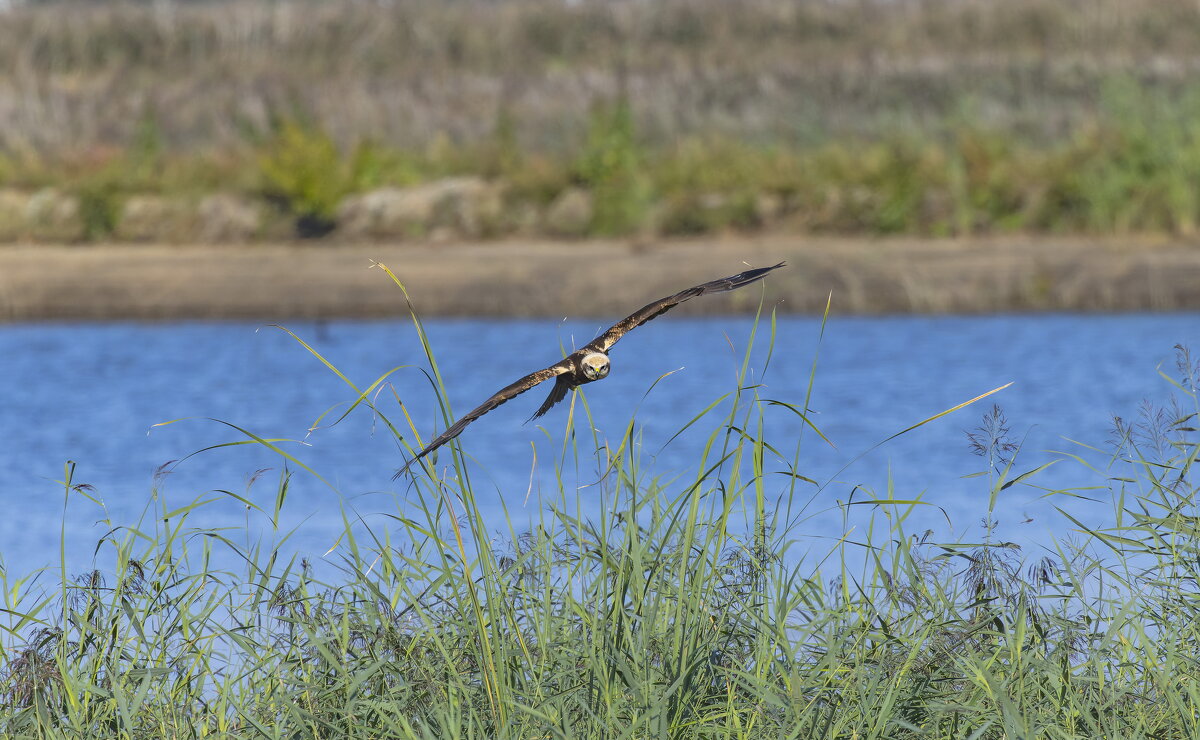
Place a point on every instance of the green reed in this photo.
(649, 603)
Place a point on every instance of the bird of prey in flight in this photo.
(589, 362)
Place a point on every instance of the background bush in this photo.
(926, 117)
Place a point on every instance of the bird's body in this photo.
(585, 368)
(590, 362)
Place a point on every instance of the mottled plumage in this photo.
(590, 362)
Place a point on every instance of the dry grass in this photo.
(406, 73)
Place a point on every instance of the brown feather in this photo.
(509, 392)
(606, 340)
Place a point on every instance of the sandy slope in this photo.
(590, 278)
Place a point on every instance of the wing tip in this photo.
(404, 469)
(752, 276)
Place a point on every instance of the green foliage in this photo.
(99, 201)
(104, 179)
(102, 190)
(538, 180)
(988, 183)
(373, 165)
(144, 156)
(716, 183)
(501, 153)
(7, 169)
(1132, 167)
(611, 166)
(683, 604)
(1137, 169)
(302, 169)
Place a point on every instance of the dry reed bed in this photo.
(81, 76)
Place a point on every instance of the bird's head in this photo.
(595, 365)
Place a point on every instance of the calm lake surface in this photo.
(93, 393)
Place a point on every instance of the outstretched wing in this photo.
(500, 397)
(606, 340)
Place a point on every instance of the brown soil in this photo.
(602, 279)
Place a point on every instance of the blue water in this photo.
(94, 393)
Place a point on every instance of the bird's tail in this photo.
(557, 393)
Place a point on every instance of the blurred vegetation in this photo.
(303, 171)
(612, 169)
(928, 117)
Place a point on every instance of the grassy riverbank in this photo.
(255, 121)
(688, 605)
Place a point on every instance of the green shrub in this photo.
(695, 214)
(991, 183)
(501, 154)
(713, 183)
(373, 165)
(302, 169)
(611, 166)
(1135, 169)
(539, 179)
(99, 204)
